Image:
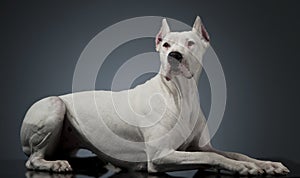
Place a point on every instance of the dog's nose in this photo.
(176, 55)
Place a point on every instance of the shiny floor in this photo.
(89, 167)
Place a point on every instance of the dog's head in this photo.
(181, 52)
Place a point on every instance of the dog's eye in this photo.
(166, 45)
(190, 43)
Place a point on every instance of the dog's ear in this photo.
(199, 28)
(161, 34)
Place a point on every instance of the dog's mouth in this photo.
(180, 68)
(167, 78)
(176, 65)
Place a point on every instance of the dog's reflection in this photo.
(93, 167)
(41, 174)
(141, 175)
(35, 174)
(110, 174)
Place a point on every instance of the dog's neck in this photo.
(187, 87)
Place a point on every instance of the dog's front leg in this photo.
(268, 166)
(179, 160)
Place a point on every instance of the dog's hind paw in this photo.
(61, 166)
(54, 166)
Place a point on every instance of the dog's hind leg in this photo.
(41, 132)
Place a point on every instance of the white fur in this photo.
(72, 121)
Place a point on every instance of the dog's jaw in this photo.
(183, 69)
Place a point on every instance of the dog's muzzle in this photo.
(174, 59)
(177, 66)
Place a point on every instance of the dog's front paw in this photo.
(244, 168)
(273, 167)
(247, 168)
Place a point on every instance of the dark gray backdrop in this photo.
(257, 43)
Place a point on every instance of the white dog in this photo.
(168, 121)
